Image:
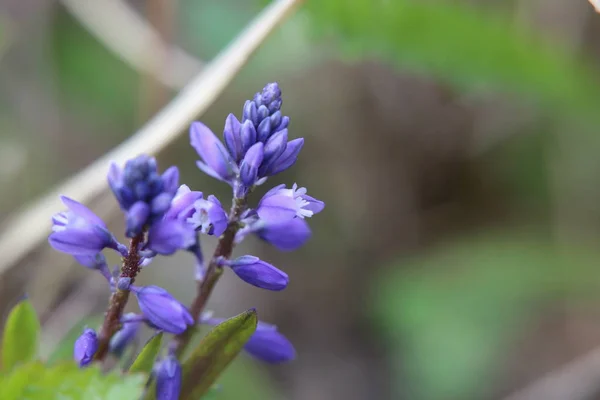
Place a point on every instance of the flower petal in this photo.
(79, 209)
(167, 236)
(277, 208)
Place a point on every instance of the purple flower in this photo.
(274, 148)
(208, 216)
(267, 344)
(264, 106)
(285, 236)
(182, 205)
(286, 159)
(259, 273)
(85, 347)
(94, 261)
(162, 310)
(233, 137)
(169, 235)
(168, 378)
(279, 204)
(250, 164)
(125, 335)
(78, 231)
(216, 161)
(142, 192)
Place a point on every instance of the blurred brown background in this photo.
(454, 143)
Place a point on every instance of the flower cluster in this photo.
(162, 217)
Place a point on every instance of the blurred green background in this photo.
(454, 142)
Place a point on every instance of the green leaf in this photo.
(21, 335)
(145, 360)
(463, 45)
(66, 381)
(216, 350)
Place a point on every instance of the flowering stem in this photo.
(213, 273)
(118, 300)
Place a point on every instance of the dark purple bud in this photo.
(276, 119)
(141, 190)
(155, 185)
(168, 379)
(274, 148)
(85, 347)
(285, 121)
(264, 130)
(250, 112)
(124, 336)
(287, 158)
(139, 169)
(250, 164)
(263, 113)
(271, 93)
(115, 181)
(216, 161)
(136, 218)
(259, 273)
(274, 106)
(267, 344)
(170, 180)
(286, 236)
(232, 137)
(124, 283)
(248, 134)
(160, 204)
(162, 310)
(169, 235)
(78, 231)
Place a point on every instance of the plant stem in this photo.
(118, 300)
(213, 273)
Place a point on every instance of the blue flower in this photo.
(182, 205)
(259, 273)
(80, 232)
(124, 336)
(286, 159)
(285, 236)
(267, 344)
(280, 205)
(208, 216)
(250, 164)
(168, 378)
(169, 235)
(162, 310)
(143, 194)
(85, 347)
(216, 161)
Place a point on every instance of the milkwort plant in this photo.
(163, 217)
